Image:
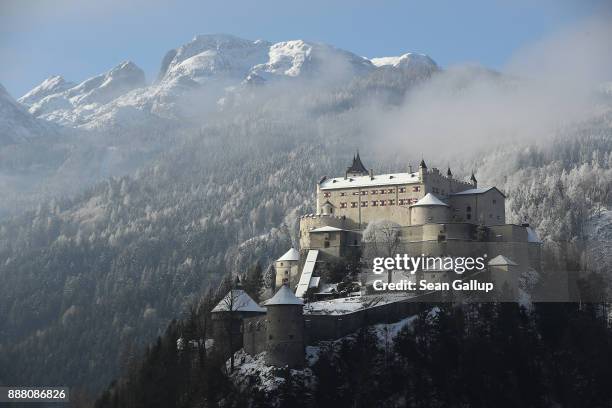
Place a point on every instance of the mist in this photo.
(466, 109)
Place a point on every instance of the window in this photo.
(355, 192)
(281, 264)
(374, 203)
(402, 189)
(326, 244)
(468, 209)
(374, 191)
(342, 194)
(416, 189)
(383, 203)
(327, 194)
(364, 192)
(435, 190)
(391, 191)
(286, 272)
(469, 216)
(342, 205)
(354, 204)
(391, 202)
(364, 203)
(494, 202)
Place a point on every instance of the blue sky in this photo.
(78, 39)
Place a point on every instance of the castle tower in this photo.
(428, 210)
(357, 168)
(285, 329)
(422, 170)
(505, 274)
(287, 268)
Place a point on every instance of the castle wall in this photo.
(362, 205)
(487, 208)
(312, 221)
(254, 334)
(330, 327)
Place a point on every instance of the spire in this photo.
(473, 180)
(449, 173)
(357, 167)
(423, 165)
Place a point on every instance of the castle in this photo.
(430, 213)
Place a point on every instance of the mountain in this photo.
(52, 85)
(75, 105)
(17, 125)
(198, 73)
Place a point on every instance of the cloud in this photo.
(545, 87)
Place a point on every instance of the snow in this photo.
(326, 228)
(352, 304)
(291, 255)
(297, 57)
(429, 199)
(501, 260)
(17, 125)
(120, 99)
(241, 302)
(367, 181)
(76, 105)
(532, 236)
(480, 190)
(49, 86)
(307, 270)
(252, 372)
(284, 296)
(408, 60)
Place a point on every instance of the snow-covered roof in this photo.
(240, 301)
(367, 181)
(284, 296)
(307, 270)
(314, 282)
(326, 228)
(291, 255)
(429, 199)
(479, 190)
(532, 236)
(501, 260)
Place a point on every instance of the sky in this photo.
(79, 39)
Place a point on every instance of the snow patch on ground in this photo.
(252, 372)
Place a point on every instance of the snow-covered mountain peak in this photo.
(208, 55)
(49, 86)
(408, 60)
(16, 124)
(297, 57)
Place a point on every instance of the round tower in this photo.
(287, 268)
(285, 329)
(429, 210)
